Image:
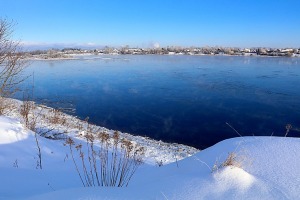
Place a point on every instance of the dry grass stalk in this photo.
(288, 127)
(70, 143)
(57, 117)
(6, 106)
(112, 165)
(231, 160)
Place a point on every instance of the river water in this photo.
(183, 99)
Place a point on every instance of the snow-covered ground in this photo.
(264, 168)
(156, 151)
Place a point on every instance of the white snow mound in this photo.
(11, 130)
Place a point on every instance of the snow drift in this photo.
(269, 168)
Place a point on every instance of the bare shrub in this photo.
(27, 111)
(11, 62)
(6, 106)
(112, 164)
(57, 117)
(28, 115)
(2, 106)
(231, 160)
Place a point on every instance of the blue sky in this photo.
(239, 23)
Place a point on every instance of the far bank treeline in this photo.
(65, 52)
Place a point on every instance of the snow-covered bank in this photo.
(156, 151)
(269, 168)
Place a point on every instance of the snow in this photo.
(11, 130)
(267, 168)
(155, 150)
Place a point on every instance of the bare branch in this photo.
(11, 62)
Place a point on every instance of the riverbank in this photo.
(238, 168)
(56, 125)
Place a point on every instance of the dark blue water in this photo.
(184, 99)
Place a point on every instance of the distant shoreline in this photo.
(72, 53)
(79, 56)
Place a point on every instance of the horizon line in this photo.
(91, 45)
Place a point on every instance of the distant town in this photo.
(69, 52)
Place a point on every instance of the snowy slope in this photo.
(155, 150)
(269, 169)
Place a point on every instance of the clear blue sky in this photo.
(240, 23)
